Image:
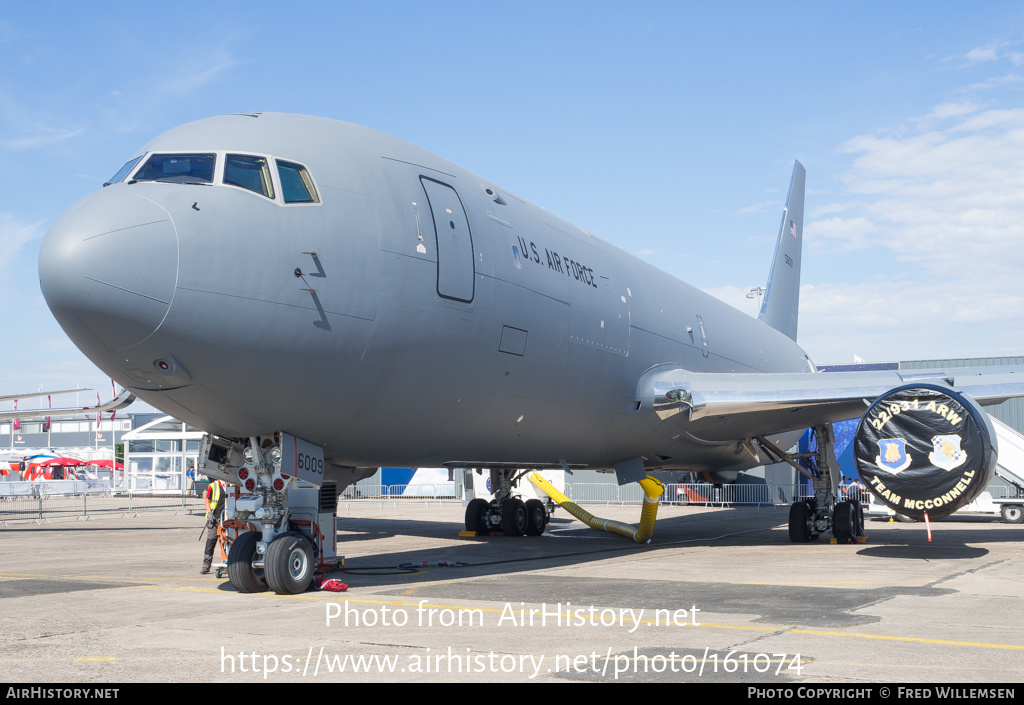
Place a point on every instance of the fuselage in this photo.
(408, 313)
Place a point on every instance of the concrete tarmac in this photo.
(720, 595)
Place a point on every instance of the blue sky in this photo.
(668, 129)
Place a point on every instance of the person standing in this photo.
(214, 499)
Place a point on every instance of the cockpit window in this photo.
(178, 168)
(296, 184)
(249, 172)
(124, 171)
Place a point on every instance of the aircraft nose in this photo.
(108, 267)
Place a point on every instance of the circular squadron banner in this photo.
(924, 448)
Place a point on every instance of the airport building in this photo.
(79, 436)
(158, 449)
(161, 456)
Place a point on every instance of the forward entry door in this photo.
(456, 269)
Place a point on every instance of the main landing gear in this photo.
(822, 513)
(506, 513)
(806, 523)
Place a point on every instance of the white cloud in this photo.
(197, 72)
(982, 54)
(964, 176)
(827, 208)
(888, 319)
(14, 234)
(737, 298)
(38, 135)
(758, 207)
(947, 110)
(842, 233)
(944, 210)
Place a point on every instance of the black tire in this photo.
(798, 522)
(536, 517)
(513, 518)
(904, 518)
(1012, 513)
(843, 519)
(475, 512)
(858, 518)
(243, 577)
(289, 564)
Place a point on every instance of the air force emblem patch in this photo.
(946, 453)
(892, 455)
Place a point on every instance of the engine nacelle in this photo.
(925, 448)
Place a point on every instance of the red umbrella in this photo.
(106, 464)
(60, 461)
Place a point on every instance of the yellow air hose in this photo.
(653, 489)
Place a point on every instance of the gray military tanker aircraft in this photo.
(324, 299)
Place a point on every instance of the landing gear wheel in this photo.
(475, 512)
(1012, 513)
(289, 564)
(798, 531)
(843, 518)
(243, 577)
(537, 517)
(858, 518)
(513, 517)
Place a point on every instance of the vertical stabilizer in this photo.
(781, 305)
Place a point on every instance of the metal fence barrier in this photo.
(77, 499)
(54, 487)
(1003, 492)
(695, 494)
(45, 505)
(393, 494)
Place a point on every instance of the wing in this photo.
(718, 407)
(33, 395)
(119, 402)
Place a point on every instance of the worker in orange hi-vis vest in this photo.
(214, 498)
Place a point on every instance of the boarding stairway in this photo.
(1010, 466)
